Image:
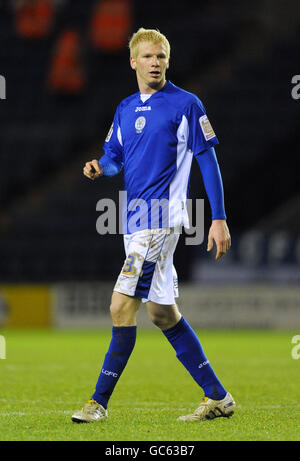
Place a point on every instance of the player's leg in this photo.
(123, 311)
(187, 346)
(164, 313)
(190, 353)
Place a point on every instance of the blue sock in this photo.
(190, 353)
(120, 348)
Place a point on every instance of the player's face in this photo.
(151, 65)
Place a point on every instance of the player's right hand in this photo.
(92, 170)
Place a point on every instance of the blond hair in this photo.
(147, 35)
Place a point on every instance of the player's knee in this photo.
(164, 317)
(164, 321)
(159, 321)
(122, 312)
(118, 310)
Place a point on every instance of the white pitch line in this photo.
(35, 413)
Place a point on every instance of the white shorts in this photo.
(148, 272)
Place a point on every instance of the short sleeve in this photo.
(201, 134)
(113, 145)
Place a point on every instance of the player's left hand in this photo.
(219, 233)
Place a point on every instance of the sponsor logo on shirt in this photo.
(140, 124)
(109, 133)
(142, 108)
(206, 128)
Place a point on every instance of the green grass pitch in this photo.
(48, 374)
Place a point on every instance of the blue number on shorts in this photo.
(128, 266)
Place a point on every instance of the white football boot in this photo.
(91, 412)
(210, 409)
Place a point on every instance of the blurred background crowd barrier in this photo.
(66, 68)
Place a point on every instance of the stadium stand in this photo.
(238, 63)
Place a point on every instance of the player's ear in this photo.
(132, 63)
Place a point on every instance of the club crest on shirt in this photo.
(140, 124)
(206, 128)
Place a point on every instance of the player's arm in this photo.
(111, 163)
(106, 166)
(218, 232)
(201, 142)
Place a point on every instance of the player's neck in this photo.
(146, 89)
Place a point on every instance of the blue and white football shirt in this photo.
(155, 141)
